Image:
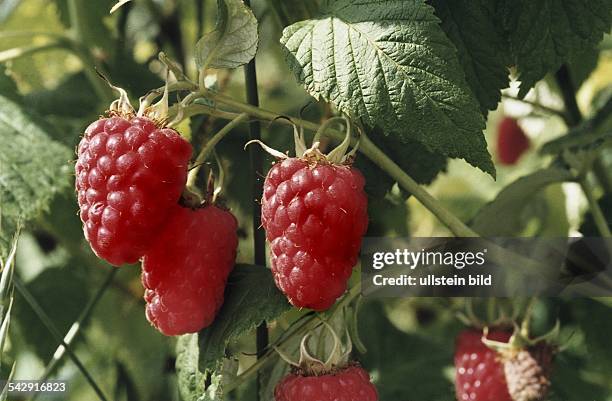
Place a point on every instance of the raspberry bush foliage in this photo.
(177, 264)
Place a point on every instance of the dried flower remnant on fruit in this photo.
(336, 379)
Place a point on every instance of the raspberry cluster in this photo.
(130, 174)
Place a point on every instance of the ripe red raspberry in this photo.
(315, 215)
(129, 173)
(349, 384)
(185, 271)
(511, 141)
(479, 372)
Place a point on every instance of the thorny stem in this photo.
(210, 145)
(564, 80)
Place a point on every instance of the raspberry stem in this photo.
(210, 145)
(367, 147)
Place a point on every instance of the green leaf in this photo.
(190, 380)
(545, 33)
(581, 65)
(234, 40)
(500, 216)
(251, 297)
(389, 64)
(7, 267)
(33, 167)
(593, 319)
(121, 333)
(567, 385)
(483, 51)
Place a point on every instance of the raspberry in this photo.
(528, 371)
(185, 271)
(349, 384)
(479, 373)
(511, 141)
(129, 173)
(314, 214)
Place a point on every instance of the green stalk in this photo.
(210, 145)
(282, 17)
(537, 105)
(575, 117)
(46, 320)
(75, 10)
(598, 216)
(262, 335)
(91, 69)
(370, 150)
(77, 326)
(18, 52)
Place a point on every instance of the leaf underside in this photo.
(234, 40)
(33, 168)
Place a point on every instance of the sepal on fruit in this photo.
(521, 339)
(312, 154)
(309, 365)
(158, 112)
